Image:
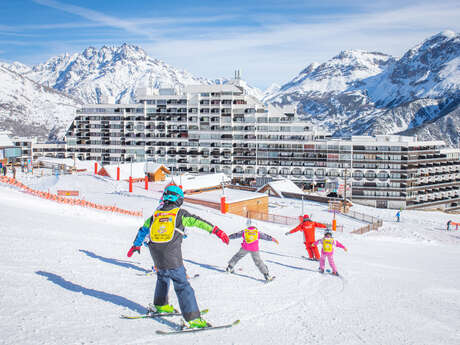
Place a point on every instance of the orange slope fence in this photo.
(69, 201)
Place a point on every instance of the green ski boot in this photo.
(198, 323)
(165, 309)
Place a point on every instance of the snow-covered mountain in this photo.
(16, 66)
(356, 92)
(360, 92)
(109, 71)
(88, 77)
(114, 71)
(30, 109)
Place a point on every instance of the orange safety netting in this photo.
(63, 200)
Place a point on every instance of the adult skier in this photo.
(250, 244)
(166, 230)
(448, 225)
(308, 227)
(328, 244)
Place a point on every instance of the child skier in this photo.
(251, 236)
(308, 227)
(328, 244)
(166, 230)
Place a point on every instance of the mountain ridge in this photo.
(369, 93)
(356, 92)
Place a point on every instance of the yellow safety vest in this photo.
(251, 235)
(328, 245)
(163, 226)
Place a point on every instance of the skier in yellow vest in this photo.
(250, 244)
(166, 230)
(328, 244)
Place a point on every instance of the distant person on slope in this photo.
(448, 225)
(251, 236)
(166, 230)
(328, 244)
(308, 227)
(398, 216)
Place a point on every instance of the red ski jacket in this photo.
(308, 227)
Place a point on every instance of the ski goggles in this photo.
(170, 192)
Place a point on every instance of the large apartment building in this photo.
(219, 128)
(387, 171)
(32, 149)
(203, 129)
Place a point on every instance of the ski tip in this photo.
(235, 322)
(204, 311)
(131, 317)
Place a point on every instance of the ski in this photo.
(309, 259)
(194, 330)
(154, 315)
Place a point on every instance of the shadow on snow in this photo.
(116, 262)
(215, 268)
(293, 267)
(107, 297)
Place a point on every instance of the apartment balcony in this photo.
(378, 197)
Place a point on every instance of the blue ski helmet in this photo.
(173, 193)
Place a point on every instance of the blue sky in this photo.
(270, 41)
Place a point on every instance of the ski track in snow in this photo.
(66, 278)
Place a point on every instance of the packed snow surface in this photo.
(66, 278)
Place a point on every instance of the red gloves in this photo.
(134, 249)
(222, 235)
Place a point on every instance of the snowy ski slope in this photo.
(65, 277)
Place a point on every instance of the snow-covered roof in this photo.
(231, 195)
(135, 170)
(194, 182)
(283, 186)
(151, 167)
(5, 141)
(69, 162)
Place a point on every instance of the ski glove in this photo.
(134, 249)
(275, 240)
(222, 235)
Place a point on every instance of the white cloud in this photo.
(95, 16)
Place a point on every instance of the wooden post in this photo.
(95, 168)
(146, 182)
(118, 173)
(334, 224)
(130, 184)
